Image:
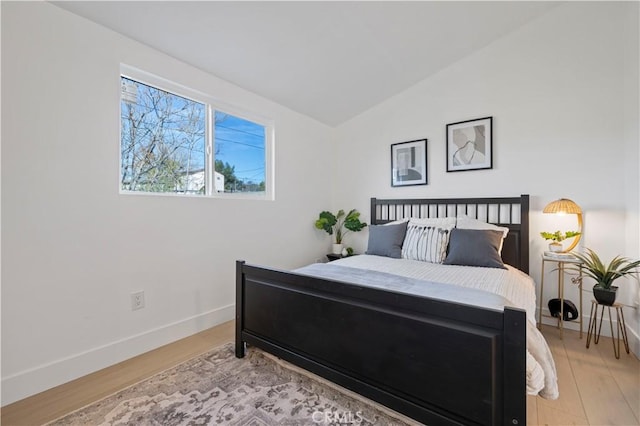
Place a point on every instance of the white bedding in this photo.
(512, 285)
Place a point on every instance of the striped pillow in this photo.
(427, 243)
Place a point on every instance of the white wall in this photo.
(632, 149)
(73, 249)
(562, 90)
(0, 207)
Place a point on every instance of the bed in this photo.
(447, 355)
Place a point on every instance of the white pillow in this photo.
(442, 222)
(425, 242)
(466, 222)
(396, 222)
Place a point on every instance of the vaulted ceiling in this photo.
(330, 60)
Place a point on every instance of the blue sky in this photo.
(241, 143)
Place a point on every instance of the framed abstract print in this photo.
(470, 145)
(409, 163)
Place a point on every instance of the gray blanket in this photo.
(400, 284)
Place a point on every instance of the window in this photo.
(162, 141)
(175, 141)
(239, 153)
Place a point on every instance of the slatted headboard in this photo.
(510, 212)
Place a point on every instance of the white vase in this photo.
(337, 249)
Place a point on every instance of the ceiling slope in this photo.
(328, 60)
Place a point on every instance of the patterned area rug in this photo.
(217, 388)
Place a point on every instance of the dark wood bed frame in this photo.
(438, 362)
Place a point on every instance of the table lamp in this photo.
(566, 206)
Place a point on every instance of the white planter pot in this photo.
(337, 249)
(555, 247)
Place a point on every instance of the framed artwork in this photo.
(470, 145)
(409, 163)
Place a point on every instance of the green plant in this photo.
(605, 275)
(340, 224)
(559, 236)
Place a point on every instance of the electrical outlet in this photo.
(137, 300)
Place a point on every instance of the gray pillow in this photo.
(386, 240)
(475, 247)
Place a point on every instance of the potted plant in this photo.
(605, 275)
(339, 225)
(557, 237)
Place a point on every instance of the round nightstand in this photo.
(561, 262)
(333, 256)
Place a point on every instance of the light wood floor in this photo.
(595, 388)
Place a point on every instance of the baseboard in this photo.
(634, 342)
(30, 382)
(632, 335)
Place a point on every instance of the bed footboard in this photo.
(435, 361)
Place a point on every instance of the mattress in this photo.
(490, 288)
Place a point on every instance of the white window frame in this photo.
(211, 105)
